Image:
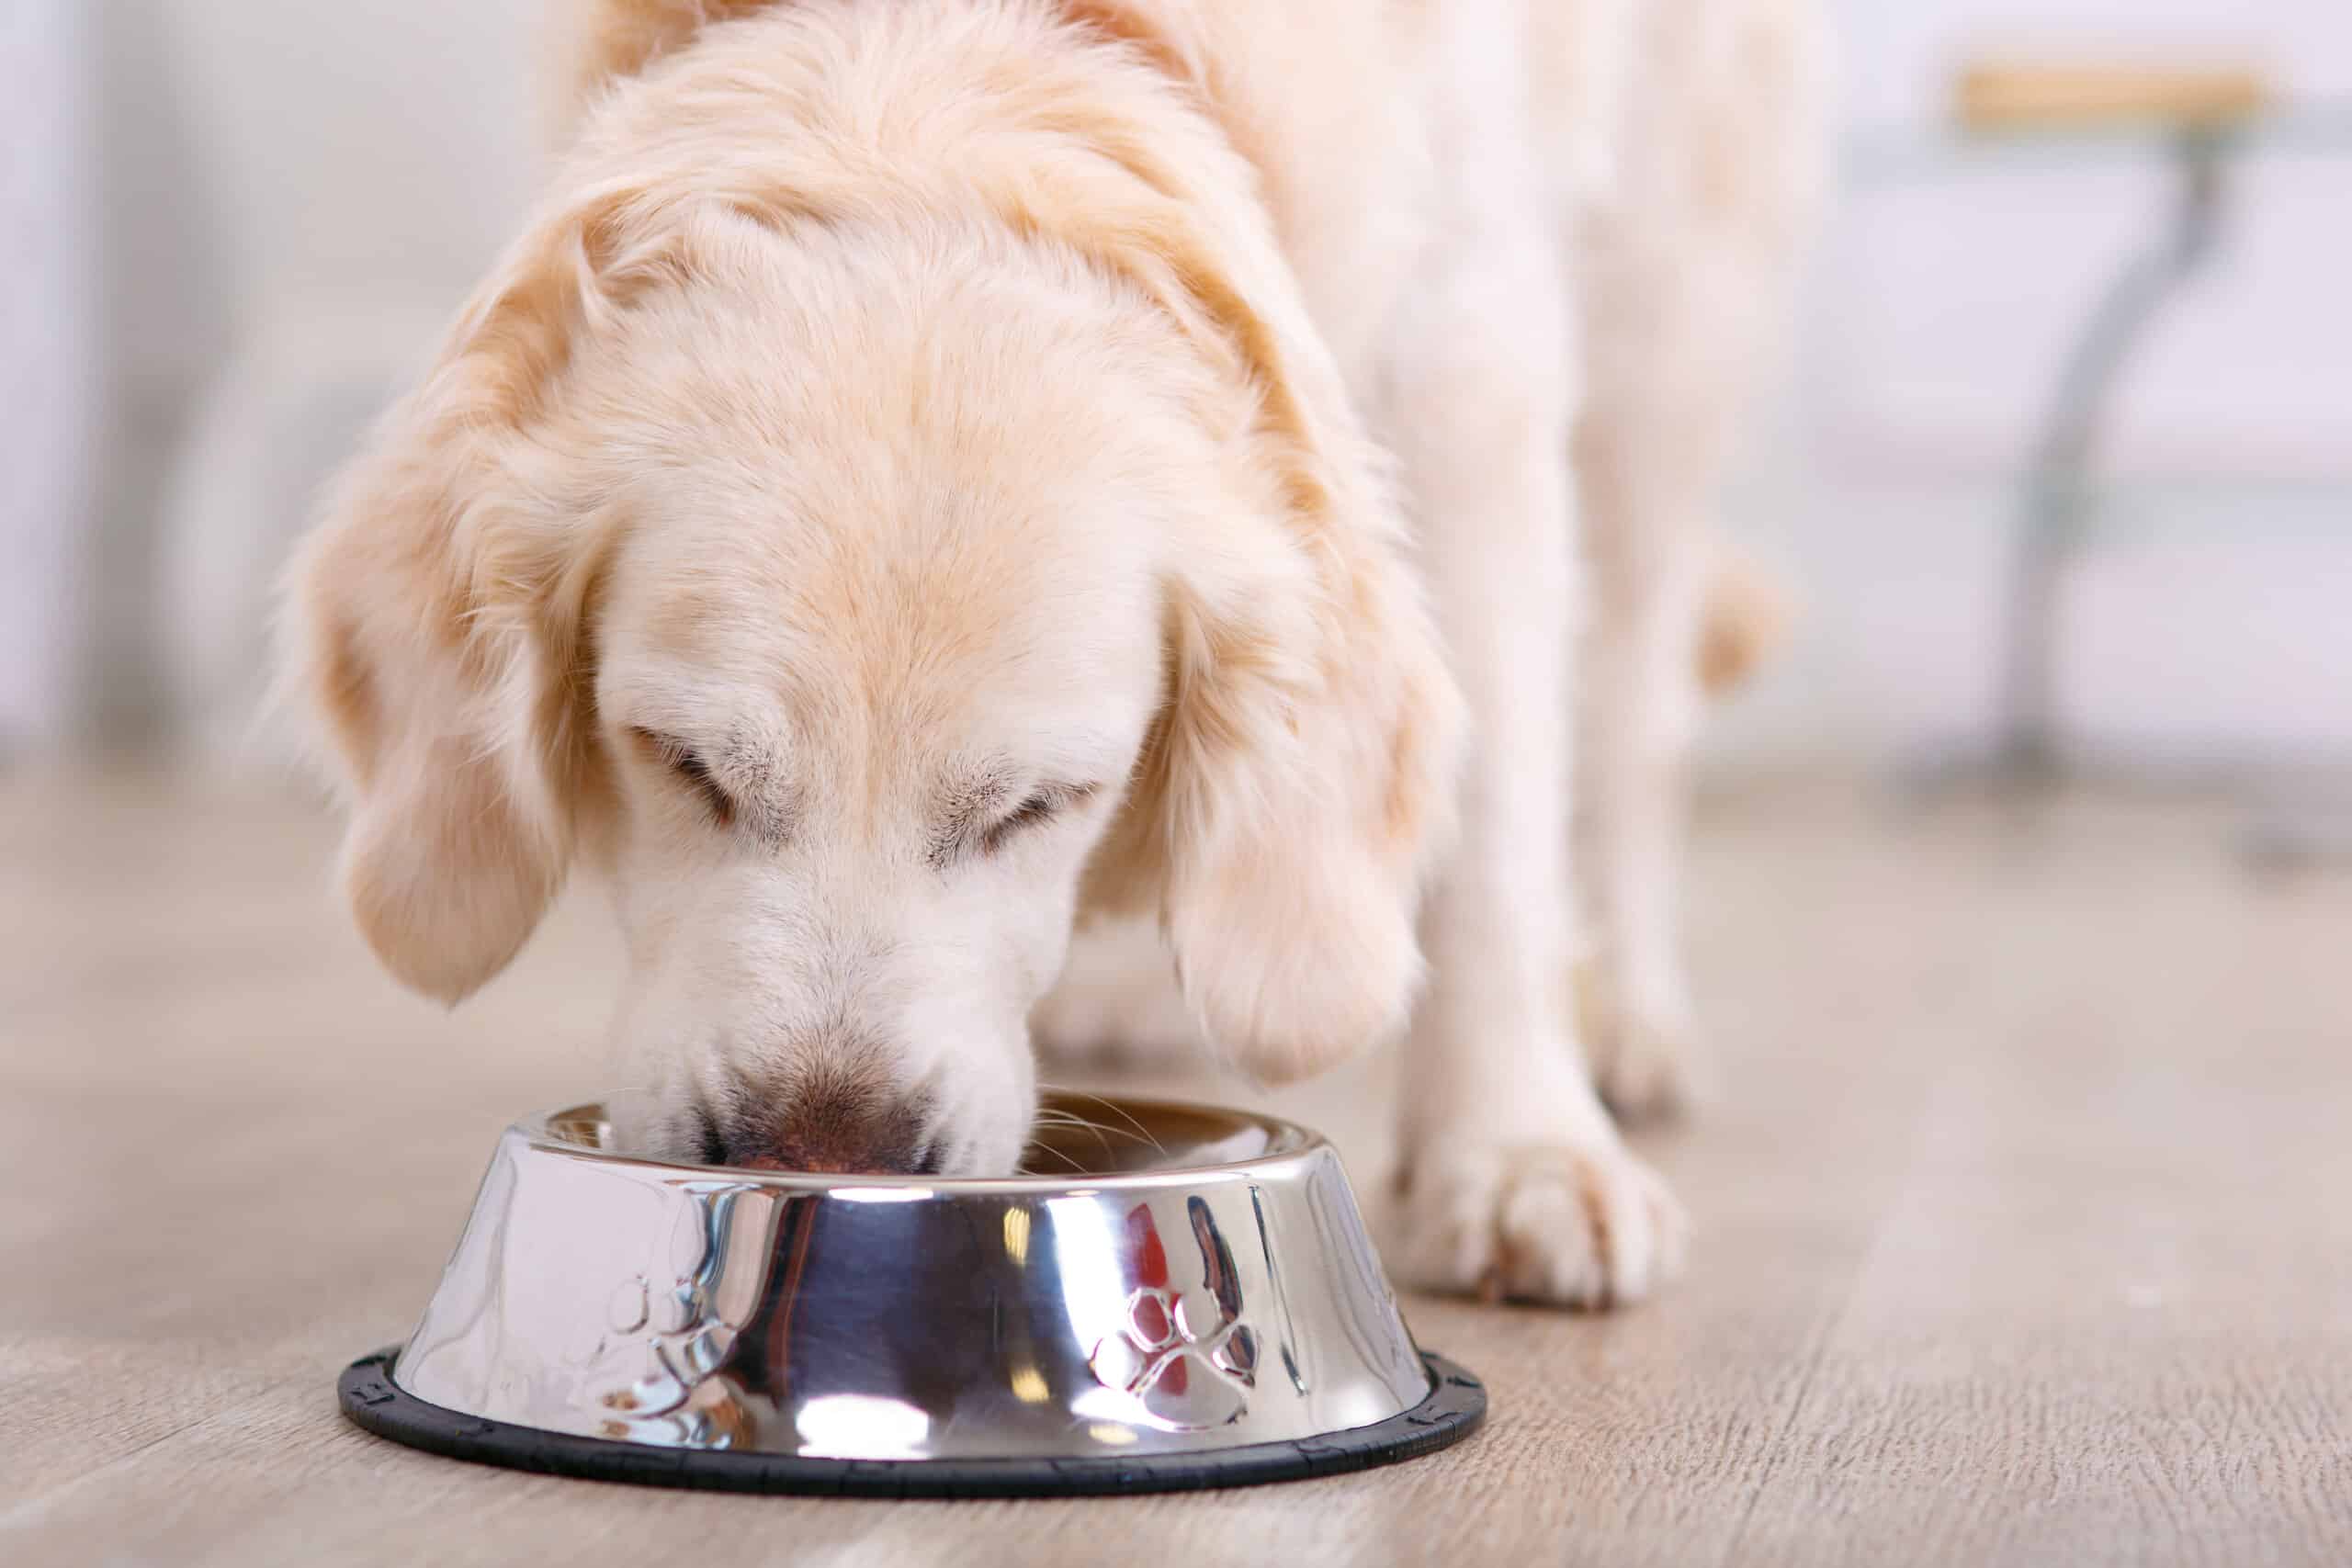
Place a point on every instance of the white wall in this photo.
(267, 149)
(271, 170)
(48, 379)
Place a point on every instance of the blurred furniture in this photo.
(2200, 123)
(2198, 117)
(2023, 98)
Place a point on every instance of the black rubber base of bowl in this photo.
(1453, 1411)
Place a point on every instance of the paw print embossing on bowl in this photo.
(682, 1331)
(1187, 1357)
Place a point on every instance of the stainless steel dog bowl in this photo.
(1193, 1303)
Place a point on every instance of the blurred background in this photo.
(2021, 1198)
(230, 228)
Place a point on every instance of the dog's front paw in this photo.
(1581, 1225)
(1644, 1055)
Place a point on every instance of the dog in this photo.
(937, 476)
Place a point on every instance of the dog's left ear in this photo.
(1300, 778)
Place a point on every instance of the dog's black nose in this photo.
(842, 1129)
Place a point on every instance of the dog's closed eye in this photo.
(974, 825)
(1037, 808)
(688, 766)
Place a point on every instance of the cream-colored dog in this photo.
(937, 471)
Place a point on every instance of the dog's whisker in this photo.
(1063, 1119)
(1037, 1148)
(1139, 1131)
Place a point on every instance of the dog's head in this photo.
(862, 599)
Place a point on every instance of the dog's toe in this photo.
(1567, 1225)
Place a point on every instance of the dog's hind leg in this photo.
(1681, 270)
(1646, 552)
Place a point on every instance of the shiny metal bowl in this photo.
(1193, 1302)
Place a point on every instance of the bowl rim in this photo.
(1293, 1147)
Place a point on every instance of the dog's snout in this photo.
(840, 1129)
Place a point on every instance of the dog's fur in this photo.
(936, 473)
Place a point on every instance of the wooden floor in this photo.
(2025, 1227)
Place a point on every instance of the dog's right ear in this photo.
(433, 626)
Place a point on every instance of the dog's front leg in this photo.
(1513, 1181)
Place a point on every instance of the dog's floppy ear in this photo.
(1301, 775)
(433, 626)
